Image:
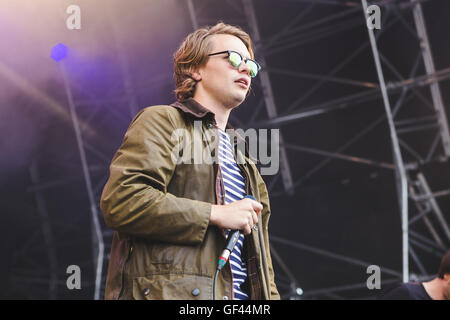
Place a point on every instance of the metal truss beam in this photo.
(433, 195)
(287, 34)
(416, 259)
(316, 292)
(97, 237)
(336, 69)
(192, 15)
(437, 244)
(328, 2)
(430, 69)
(340, 156)
(331, 255)
(305, 75)
(424, 208)
(342, 148)
(436, 209)
(351, 100)
(47, 233)
(301, 39)
(268, 97)
(293, 283)
(401, 181)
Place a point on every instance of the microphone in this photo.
(231, 242)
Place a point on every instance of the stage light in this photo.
(59, 52)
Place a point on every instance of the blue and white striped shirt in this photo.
(234, 190)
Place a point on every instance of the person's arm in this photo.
(135, 200)
(265, 215)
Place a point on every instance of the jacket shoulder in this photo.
(161, 113)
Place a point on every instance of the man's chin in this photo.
(239, 99)
(235, 100)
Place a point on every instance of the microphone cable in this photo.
(223, 259)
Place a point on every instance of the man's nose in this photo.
(244, 67)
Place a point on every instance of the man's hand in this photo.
(239, 215)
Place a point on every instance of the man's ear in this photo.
(196, 75)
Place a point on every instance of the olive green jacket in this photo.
(163, 246)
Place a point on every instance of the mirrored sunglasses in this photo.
(236, 59)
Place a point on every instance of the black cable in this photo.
(214, 283)
(232, 238)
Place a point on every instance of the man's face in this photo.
(219, 79)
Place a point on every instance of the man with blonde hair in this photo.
(172, 218)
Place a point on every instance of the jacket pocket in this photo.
(172, 286)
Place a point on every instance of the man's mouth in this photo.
(242, 82)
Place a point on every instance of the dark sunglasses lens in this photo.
(235, 59)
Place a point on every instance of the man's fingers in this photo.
(250, 221)
(247, 229)
(254, 217)
(257, 207)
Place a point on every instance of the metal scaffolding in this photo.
(393, 12)
(415, 189)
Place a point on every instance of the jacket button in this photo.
(146, 291)
(195, 292)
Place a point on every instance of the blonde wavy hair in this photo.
(193, 54)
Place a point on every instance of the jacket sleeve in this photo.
(265, 214)
(135, 200)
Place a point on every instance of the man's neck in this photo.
(434, 288)
(221, 112)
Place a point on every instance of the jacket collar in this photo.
(194, 108)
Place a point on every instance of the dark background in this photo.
(120, 61)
